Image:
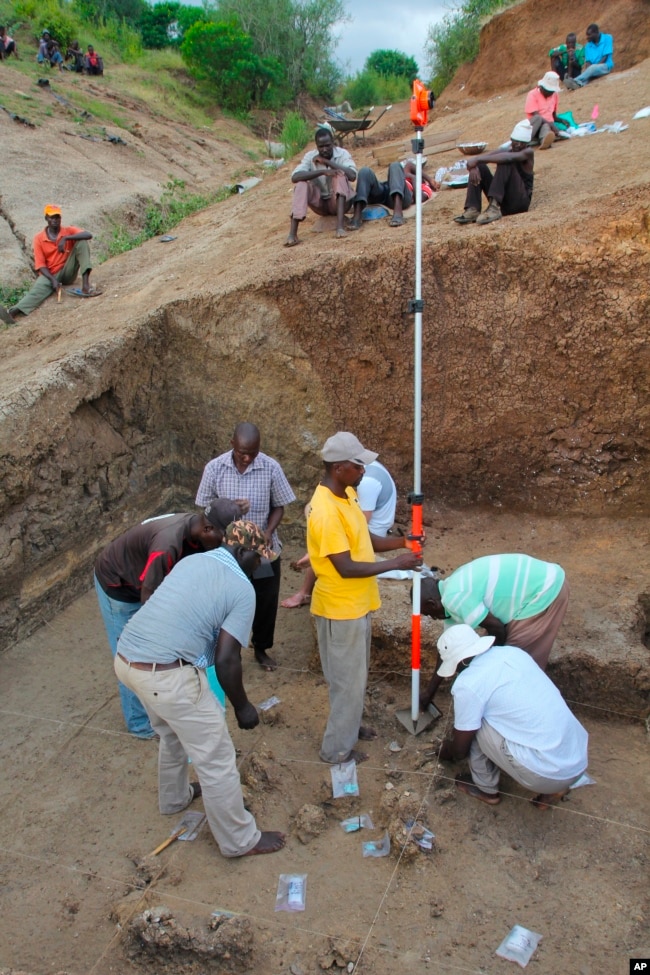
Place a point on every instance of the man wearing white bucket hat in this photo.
(541, 108)
(510, 188)
(508, 716)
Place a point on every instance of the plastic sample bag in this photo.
(344, 779)
(519, 945)
(292, 891)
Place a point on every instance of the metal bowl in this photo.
(471, 148)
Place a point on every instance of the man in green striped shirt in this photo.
(518, 600)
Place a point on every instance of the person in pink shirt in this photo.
(541, 109)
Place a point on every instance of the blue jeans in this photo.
(116, 614)
(593, 71)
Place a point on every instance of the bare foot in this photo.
(354, 225)
(292, 241)
(298, 599)
(265, 662)
(548, 799)
(396, 221)
(269, 842)
(341, 232)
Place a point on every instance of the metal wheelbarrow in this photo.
(344, 126)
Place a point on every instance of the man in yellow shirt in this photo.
(341, 551)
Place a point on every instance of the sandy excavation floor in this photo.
(78, 801)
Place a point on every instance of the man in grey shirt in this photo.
(200, 615)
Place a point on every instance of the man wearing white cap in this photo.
(510, 189)
(508, 716)
(341, 551)
(541, 109)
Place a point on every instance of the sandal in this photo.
(464, 784)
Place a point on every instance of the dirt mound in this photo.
(515, 43)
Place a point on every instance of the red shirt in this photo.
(46, 252)
(538, 103)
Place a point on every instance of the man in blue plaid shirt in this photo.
(245, 473)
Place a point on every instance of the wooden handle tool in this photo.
(168, 841)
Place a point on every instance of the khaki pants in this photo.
(489, 753)
(191, 723)
(536, 635)
(78, 262)
(344, 647)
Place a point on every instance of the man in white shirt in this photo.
(508, 716)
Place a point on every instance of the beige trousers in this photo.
(191, 723)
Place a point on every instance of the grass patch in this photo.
(175, 204)
(98, 109)
(296, 133)
(10, 297)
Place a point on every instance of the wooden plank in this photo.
(433, 144)
(434, 139)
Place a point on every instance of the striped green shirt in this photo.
(510, 587)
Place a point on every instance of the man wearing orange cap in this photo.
(60, 253)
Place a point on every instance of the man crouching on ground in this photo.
(200, 616)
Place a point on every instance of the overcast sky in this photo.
(394, 25)
(374, 25)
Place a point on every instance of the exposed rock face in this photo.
(528, 401)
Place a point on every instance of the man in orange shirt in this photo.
(60, 253)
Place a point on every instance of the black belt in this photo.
(141, 665)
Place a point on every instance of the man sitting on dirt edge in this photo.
(599, 58)
(510, 189)
(322, 184)
(396, 192)
(60, 253)
(508, 716)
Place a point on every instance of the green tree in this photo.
(221, 55)
(298, 33)
(165, 24)
(131, 11)
(392, 63)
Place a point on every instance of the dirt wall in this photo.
(514, 43)
(529, 403)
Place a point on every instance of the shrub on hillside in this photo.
(48, 15)
(221, 55)
(370, 88)
(296, 133)
(455, 40)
